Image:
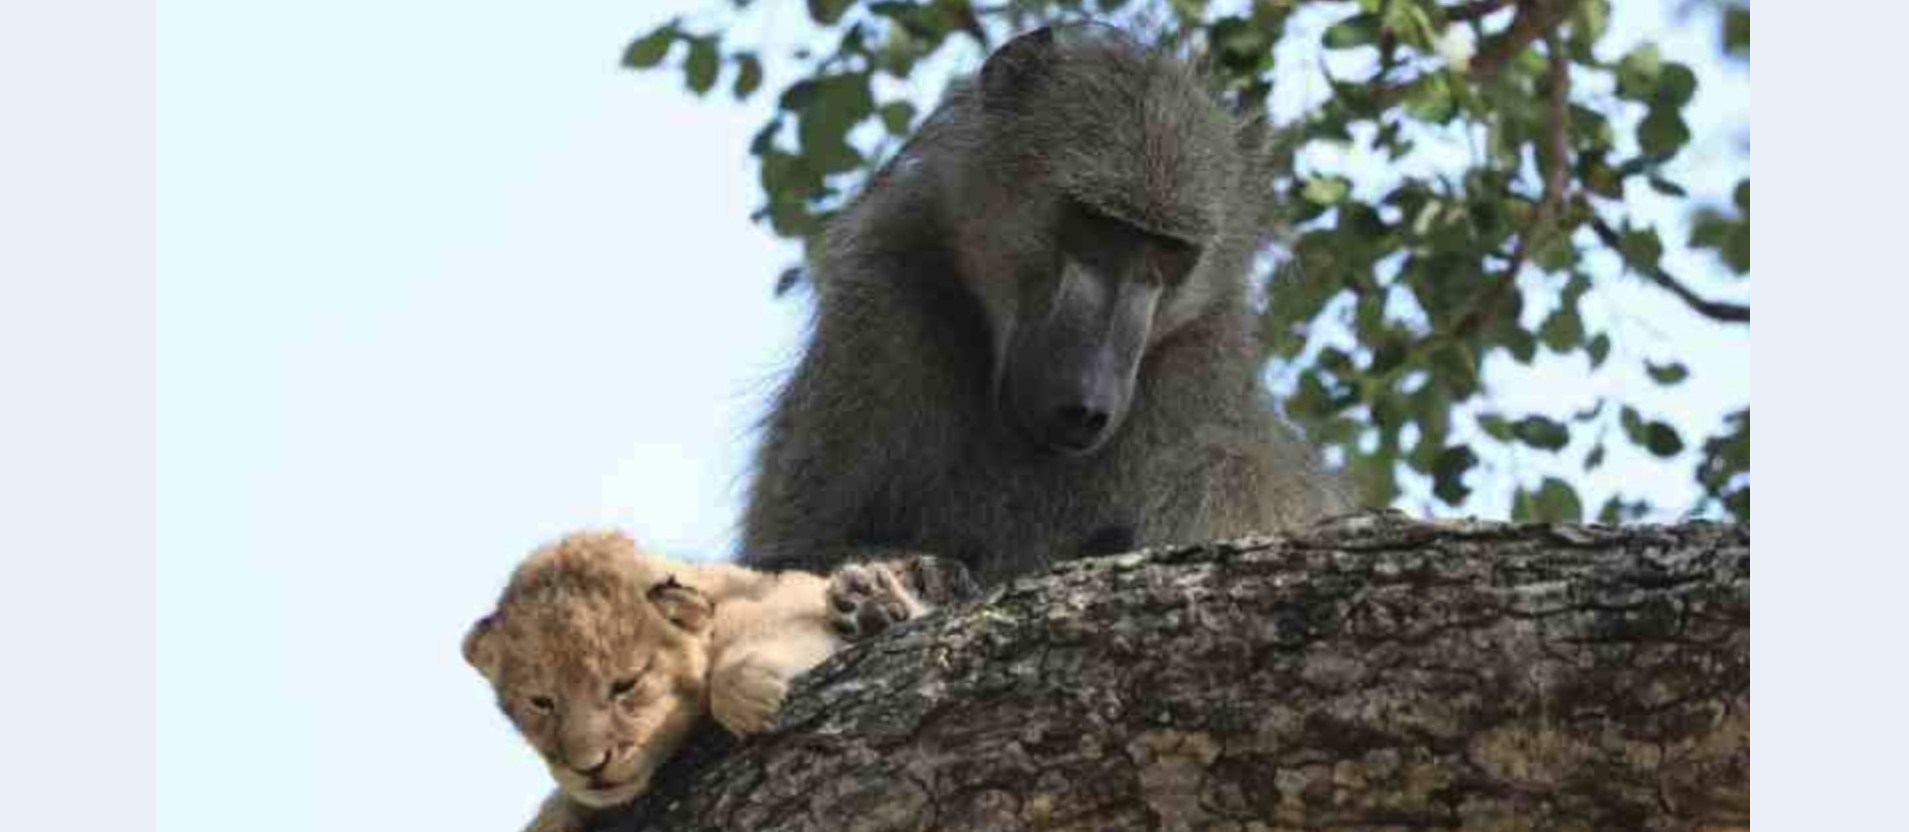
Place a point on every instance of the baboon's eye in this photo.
(543, 704)
(1173, 260)
(622, 688)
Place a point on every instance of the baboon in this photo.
(1033, 337)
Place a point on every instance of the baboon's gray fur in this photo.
(889, 435)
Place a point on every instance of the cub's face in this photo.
(605, 679)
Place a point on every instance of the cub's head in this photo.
(598, 655)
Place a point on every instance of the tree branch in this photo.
(1373, 672)
(1555, 152)
(1533, 20)
(1715, 310)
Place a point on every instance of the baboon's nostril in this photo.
(1078, 425)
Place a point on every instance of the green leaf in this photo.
(898, 116)
(1729, 237)
(1590, 129)
(1642, 247)
(1599, 348)
(1563, 330)
(1542, 433)
(1736, 31)
(1725, 465)
(1240, 44)
(830, 108)
(797, 96)
(1637, 72)
(1326, 190)
(1555, 254)
(1708, 229)
(1495, 426)
(1519, 342)
(1662, 439)
(748, 74)
(1675, 86)
(791, 219)
(1612, 513)
(765, 138)
(1633, 424)
(1448, 474)
(1736, 249)
(1375, 476)
(1599, 178)
(1429, 99)
(699, 69)
(1667, 187)
(649, 50)
(827, 12)
(1666, 374)
(922, 21)
(1557, 502)
(1662, 133)
(1357, 30)
(1589, 19)
(1594, 459)
(788, 177)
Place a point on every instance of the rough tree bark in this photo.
(1374, 672)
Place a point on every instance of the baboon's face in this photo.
(1082, 321)
(1082, 208)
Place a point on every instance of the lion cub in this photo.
(606, 657)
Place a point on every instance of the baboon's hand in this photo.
(868, 598)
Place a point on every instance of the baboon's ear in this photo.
(1016, 67)
(683, 605)
(478, 647)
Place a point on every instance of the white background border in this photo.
(77, 247)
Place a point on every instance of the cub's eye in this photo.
(543, 704)
(622, 688)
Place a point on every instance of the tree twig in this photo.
(1712, 309)
(1556, 154)
(1475, 10)
(1534, 19)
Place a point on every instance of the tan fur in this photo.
(690, 640)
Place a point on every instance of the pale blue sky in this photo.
(437, 283)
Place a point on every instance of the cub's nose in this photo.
(591, 768)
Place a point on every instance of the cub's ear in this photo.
(479, 649)
(1016, 67)
(683, 605)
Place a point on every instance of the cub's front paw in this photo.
(746, 696)
(868, 598)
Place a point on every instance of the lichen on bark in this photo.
(1373, 672)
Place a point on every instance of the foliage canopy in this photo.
(1503, 152)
